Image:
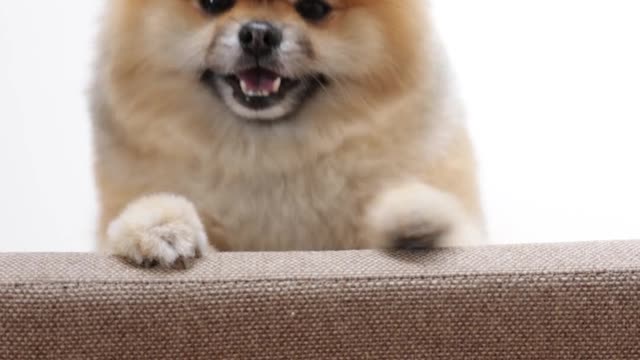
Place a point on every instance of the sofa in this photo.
(545, 301)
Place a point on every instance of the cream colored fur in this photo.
(380, 154)
(165, 228)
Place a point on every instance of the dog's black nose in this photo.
(260, 38)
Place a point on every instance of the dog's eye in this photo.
(313, 10)
(215, 7)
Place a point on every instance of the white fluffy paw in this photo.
(162, 230)
(417, 216)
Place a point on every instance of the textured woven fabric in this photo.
(576, 301)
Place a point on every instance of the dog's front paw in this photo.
(417, 216)
(162, 230)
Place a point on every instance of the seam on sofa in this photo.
(531, 277)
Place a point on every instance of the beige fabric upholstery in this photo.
(574, 301)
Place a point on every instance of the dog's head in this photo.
(267, 59)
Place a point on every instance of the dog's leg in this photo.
(161, 229)
(416, 215)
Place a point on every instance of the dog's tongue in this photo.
(259, 81)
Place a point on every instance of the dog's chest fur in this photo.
(314, 207)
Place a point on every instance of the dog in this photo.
(276, 125)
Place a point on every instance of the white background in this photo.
(552, 89)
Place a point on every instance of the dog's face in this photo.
(265, 60)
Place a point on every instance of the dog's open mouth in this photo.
(258, 82)
(263, 92)
(260, 88)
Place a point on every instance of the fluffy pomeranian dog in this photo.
(248, 125)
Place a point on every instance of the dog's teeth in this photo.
(259, 93)
(245, 87)
(276, 85)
